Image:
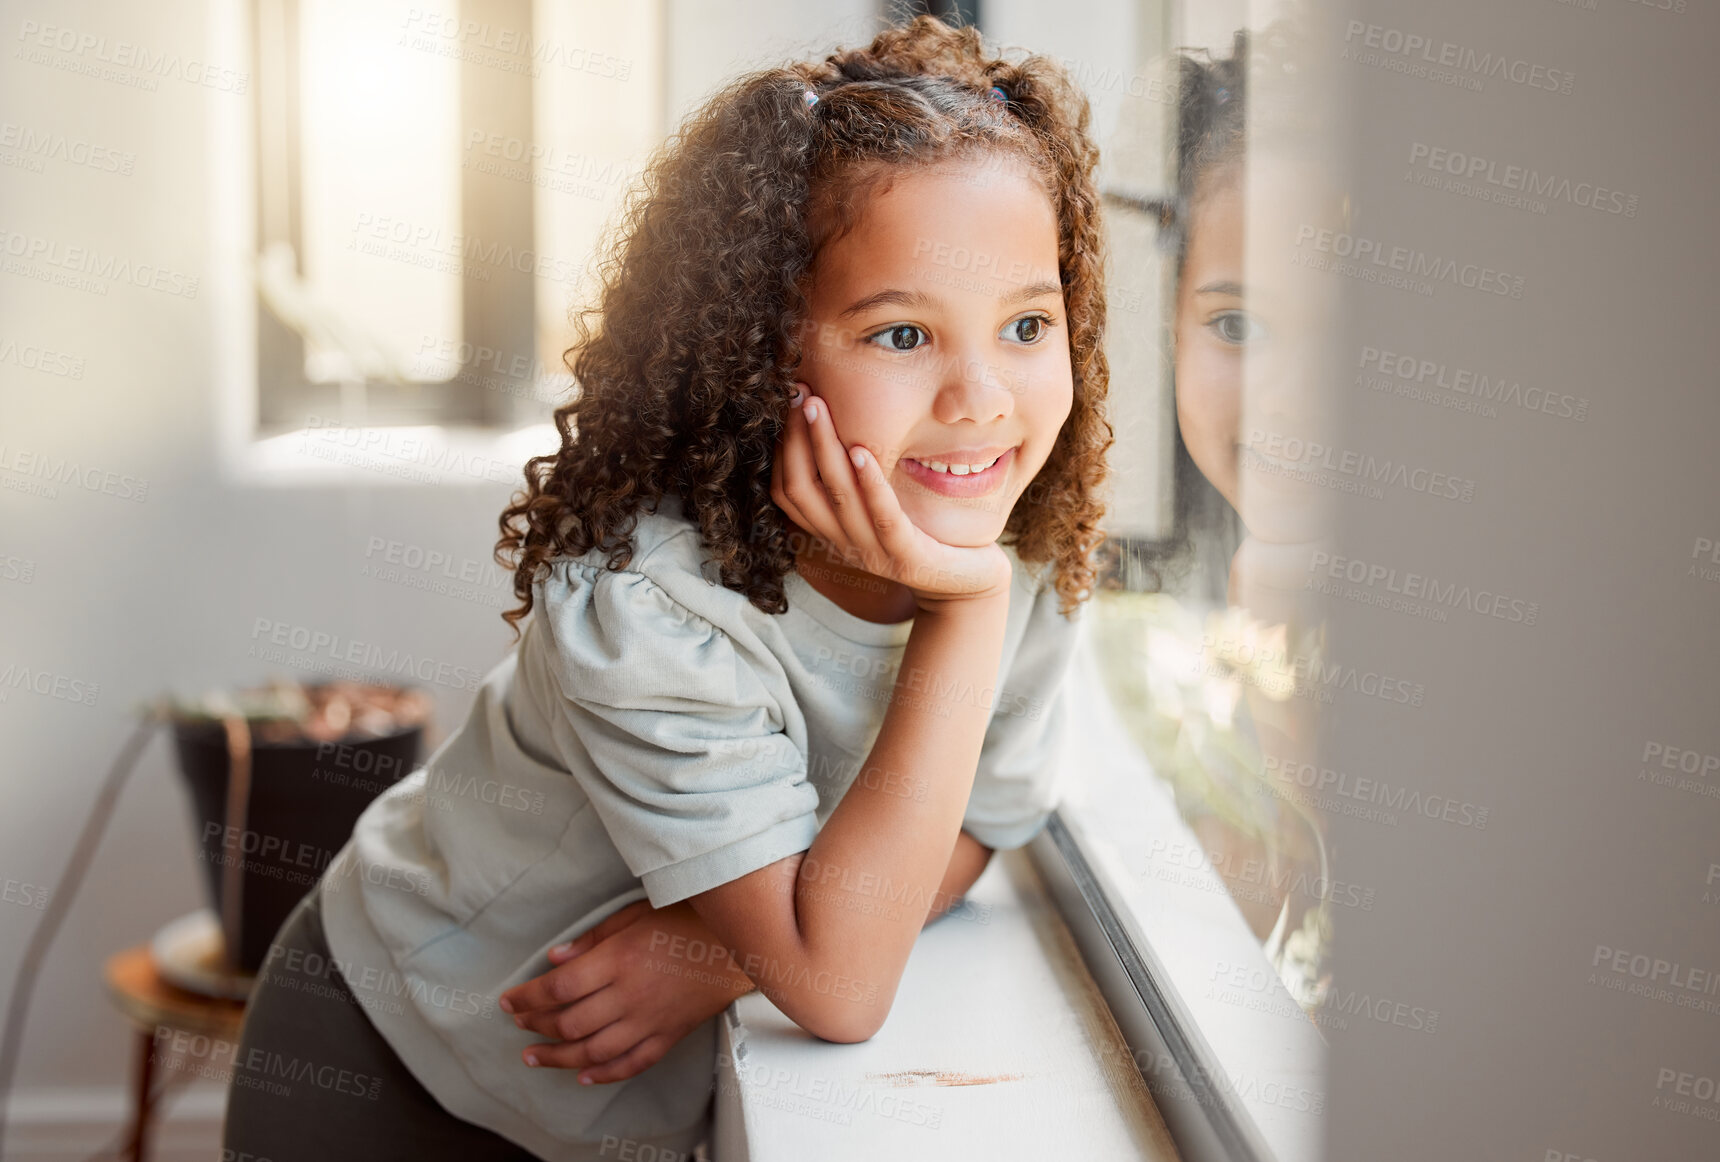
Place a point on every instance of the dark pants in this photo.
(336, 1090)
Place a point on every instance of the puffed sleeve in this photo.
(677, 738)
(1015, 784)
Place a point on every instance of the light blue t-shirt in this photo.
(653, 735)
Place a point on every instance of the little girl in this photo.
(803, 578)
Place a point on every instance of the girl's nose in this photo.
(972, 388)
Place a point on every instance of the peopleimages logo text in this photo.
(1409, 261)
(1477, 63)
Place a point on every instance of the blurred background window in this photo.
(431, 184)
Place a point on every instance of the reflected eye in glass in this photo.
(893, 338)
(1236, 328)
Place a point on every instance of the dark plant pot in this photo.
(305, 798)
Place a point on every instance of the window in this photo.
(427, 195)
(1188, 855)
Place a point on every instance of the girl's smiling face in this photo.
(937, 335)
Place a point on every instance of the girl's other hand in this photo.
(624, 993)
(841, 495)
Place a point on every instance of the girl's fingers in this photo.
(839, 481)
(575, 1021)
(563, 985)
(562, 953)
(800, 481)
(630, 1064)
(779, 493)
(589, 1017)
(895, 533)
(605, 1045)
(541, 1022)
(560, 1055)
(573, 949)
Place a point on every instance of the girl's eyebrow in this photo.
(1233, 289)
(924, 301)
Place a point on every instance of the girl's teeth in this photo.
(958, 469)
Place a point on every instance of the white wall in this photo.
(135, 597)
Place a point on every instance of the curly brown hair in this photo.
(686, 362)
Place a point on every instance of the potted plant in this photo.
(277, 777)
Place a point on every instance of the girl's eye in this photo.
(1028, 329)
(895, 338)
(1036, 326)
(1236, 327)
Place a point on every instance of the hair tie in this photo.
(811, 98)
(997, 94)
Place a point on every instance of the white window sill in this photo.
(427, 456)
(1271, 1053)
(997, 1046)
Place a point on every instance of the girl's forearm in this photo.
(867, 885)
(826, 933)
(968, 861)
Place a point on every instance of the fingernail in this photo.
(811, 411)
(562, 949)
(507, 1006)
(520, 1022)
(531, 1059)
(584, 1080)
(858, 455)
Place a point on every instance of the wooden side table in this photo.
(137, 989)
